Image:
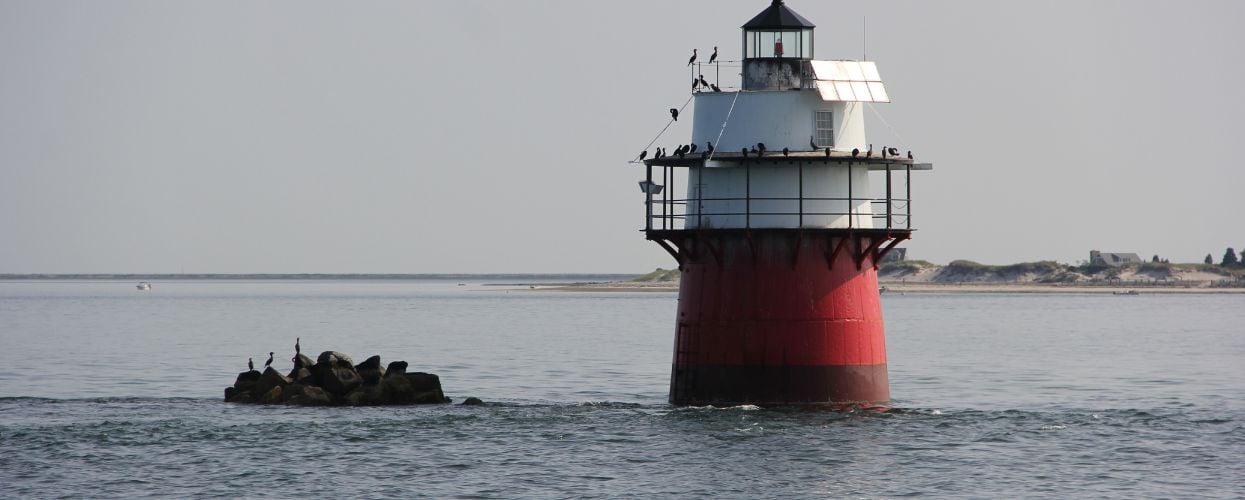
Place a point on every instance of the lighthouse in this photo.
(778, 221)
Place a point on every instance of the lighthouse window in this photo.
(825, 128)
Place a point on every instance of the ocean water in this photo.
(106, 391)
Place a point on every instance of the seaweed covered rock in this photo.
(334, 380)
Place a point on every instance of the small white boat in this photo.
(143, 285)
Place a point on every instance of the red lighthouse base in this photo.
(780, 317)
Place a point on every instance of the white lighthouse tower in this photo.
(780, 228)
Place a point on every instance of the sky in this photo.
(482, 136)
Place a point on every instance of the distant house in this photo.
(1097, 258)
(896, 255)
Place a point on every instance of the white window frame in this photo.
(828, 140)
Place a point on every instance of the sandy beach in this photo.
(900, 287)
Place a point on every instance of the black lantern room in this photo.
(776, 43)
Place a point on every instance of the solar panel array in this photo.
(857, 81)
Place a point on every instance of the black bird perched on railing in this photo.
(714, 87)
(760, 149)
(812, 143)
(680, 152)
(674, 113)
(703, 83)
(744, 151)
(250, 364)
(869, 154)
(691, 148)
(827, 152)
(643, 154)
(894, 151)
(714, 55)
(709, 147)
(693, 59)
(754, 150)
(269, 362)
(786, 152)
(884, 150)
(855, 152)
(695, 85)
(909, 154)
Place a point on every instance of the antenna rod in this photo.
(864, 38)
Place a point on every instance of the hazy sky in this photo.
(492, 136)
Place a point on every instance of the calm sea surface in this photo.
(106, 391)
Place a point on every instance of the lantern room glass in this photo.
(787, 44)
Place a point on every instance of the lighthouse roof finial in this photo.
(778, 16)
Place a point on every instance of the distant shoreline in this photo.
(586, 277)
(967, 288)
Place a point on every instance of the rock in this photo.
(302, 376)
(246, 380)
(301, 361)
(370, 370)
(304, 395)
(240, 397)
(364, 396)
(229, 392)
(333, 358)
(337, 380)
(269, 380)
(396, 368)
(427, 388)
(472, 402)
(273, 396)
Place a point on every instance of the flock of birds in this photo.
(298, 349)
(759, 150)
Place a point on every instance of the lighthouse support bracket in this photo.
(685, 245)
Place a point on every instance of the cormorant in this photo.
(709, 148)
(884, 150)
(894, 151)
(855, 152)
(714, 87)
(827, 152)
(250, 364)
(643, 154)
(674, 113)
(909, 154)
(269, 362)
(679, 152)
(760, 149)
(714, 56)
(691, 148)
(812, 143)
(869, 154)
(786, 152)
(754, 150)
(297, 348)
(703, 83)
(693, 59)
(695, 85)
(744, 151)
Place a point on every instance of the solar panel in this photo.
(857, 81)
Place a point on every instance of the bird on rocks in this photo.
(812, 144)
(869, 154)
(250, 364)
(297, 348)
(714, 55)
(715, 88)
(693, 58)
(909, 154)
(674, 113)
(855, 152)
(269, 362)
(786, 152)
(643, 154)
(703, 83)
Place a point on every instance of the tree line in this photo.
(1229, 258)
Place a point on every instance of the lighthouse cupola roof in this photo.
(778, 16)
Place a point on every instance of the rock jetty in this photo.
(334, 380)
